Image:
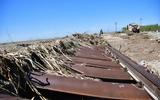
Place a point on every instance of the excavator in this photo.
(133, 28)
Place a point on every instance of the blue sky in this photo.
(38, 19)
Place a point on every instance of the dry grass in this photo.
(17, 67)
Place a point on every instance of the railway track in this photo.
(118, 77)
(111, 75)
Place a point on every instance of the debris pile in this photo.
(17, 67)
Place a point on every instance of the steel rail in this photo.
(98, 89)
(112, 74)
(113, 80)
(150, 81)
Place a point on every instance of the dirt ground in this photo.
(142, 48)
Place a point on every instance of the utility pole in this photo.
(9, 36)
(115, 26)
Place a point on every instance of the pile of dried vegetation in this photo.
(17, 67)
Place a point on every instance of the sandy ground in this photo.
(142, 48)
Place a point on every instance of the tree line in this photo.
(154, 27)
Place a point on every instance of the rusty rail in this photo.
(150, 81)
(114, 81)
(92, 88)
(105, 74)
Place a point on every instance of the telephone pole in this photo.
(9, 36)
